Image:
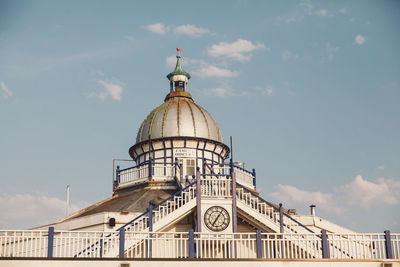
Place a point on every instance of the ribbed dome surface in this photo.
(179, 116)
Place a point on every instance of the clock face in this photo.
(216, 218)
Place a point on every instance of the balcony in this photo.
(154, 171)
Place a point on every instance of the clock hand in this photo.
(216, 218)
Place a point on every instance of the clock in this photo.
(216, 218)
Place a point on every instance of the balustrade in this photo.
(96, 244)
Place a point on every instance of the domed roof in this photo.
(179, 116)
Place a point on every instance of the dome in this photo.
(179, 116)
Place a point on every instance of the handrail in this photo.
(212, 171)
(146, 164)
(242, 169)
(275, 208)
(136, 218)
(156, 206)
(180, 191)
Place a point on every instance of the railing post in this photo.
(388, 245)
(325, 245)
(259, 244)
(198, 198)
(150, 169)
(254, 178)
(117, 176)
(150, 229)
(101, 248)
(191, 244)
(50, 242)
(176, 166)
(122, 243)
(281, 218)
(181, 173)
(234, 209)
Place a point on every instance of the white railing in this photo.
(23, 243)
(78, 244)
(225, 246)
(362, 246)
(158, 245)
(139, 174)
(291, 246)
(134, 175)
(211, 187)
(163, 171)
(96, 244)
(244, 177)
(268, 212)
(174, 203)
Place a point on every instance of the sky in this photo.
(309, 91)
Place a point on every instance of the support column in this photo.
(198, 199)
(325, 245)
(117, 176)
(150, 169)
(121, 243)
(281, 218)
(388, 245)
(50, 242)
(254, 178)
(281, 230)
(181, 174)
(191, 244)
(259, 244)
(101, 247)
(234, 208)
(150, 229)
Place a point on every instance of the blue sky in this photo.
(309, 90)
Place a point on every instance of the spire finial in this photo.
(178, 68)
(178, 79)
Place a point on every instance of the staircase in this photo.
(181, 203)
(267, 213)
(165, 213)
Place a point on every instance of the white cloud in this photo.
(359, 193)
(269, 91)
(287, 55)
(321, 12)
(364, 193)
(238, 50)
(157, 28)
(381, 167)
(292, 196)
(219, 92)
(190, 30)
(6, 92)
(214, 71)
(114, 90)
(28, 210)
(352, 19)
(203, 69)
(343, 10)
(308, 8)
(359, 39)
